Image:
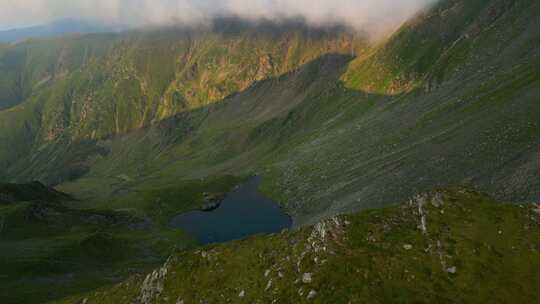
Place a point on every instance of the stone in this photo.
(421, 201)
(437, 201)
(266, 273)
(307, 278)
(407, 246)
(242, 294)
(536, 208)
(312, 294)
(451, 270)
(153, 284)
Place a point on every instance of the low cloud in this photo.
(375, 17)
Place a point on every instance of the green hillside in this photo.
(142, 125)
(477, 125)
(472, 250)
(135, 80)
(51, 247)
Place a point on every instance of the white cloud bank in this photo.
(374, 16)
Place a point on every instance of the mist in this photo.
(374, 17)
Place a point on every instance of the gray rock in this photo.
(307, 278)
(312, 294)
(536, 208)
(153, 284)
(437, 201)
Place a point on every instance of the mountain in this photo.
(472, 250)
(449, 99)
(54, 29)
(146, 122)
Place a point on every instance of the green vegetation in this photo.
(52, 246)
(11, 193)
(138, 126)
(450, 98)
(473, 250)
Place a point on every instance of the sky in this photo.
(374, 16)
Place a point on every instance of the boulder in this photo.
(307, 278)
(312, 294)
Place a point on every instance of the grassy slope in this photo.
(469, 117)
(27, 67)
(364, 258)
(139, 78)
(466, 127)
(52, 247)
(456, 103)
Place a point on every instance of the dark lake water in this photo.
(243, 212)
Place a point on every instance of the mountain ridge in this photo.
(438, 247)
(145, 122)
(53, 29)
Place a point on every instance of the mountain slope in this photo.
(138, 79)
(141, 124)
(51, 248)
(449, 99)
(473, 124)
(448, 246)
(10, 193)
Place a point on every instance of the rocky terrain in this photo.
(446, 246)
(134, 128)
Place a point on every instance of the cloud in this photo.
(374, 16)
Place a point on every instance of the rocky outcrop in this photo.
(325, 231)
(536, 208)
(153, 284)
(211, 201)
